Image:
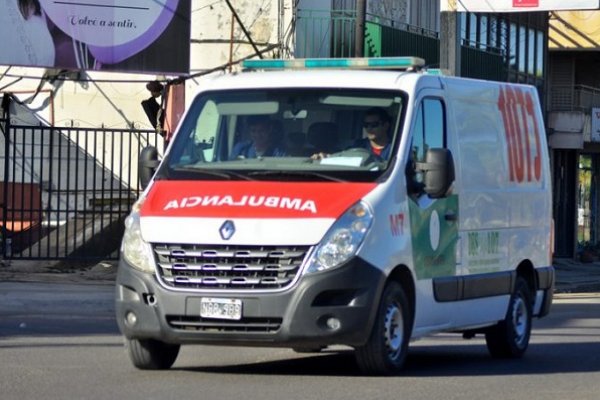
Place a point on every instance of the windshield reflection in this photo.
(283, 134)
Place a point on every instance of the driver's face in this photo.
(260, 134)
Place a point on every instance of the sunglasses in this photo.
(371, 125)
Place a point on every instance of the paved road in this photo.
(60, 341)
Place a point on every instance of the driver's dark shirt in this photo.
(246, 150)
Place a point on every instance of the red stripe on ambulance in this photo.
(252, 199)
(522, 134)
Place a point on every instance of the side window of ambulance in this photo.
(430, 128)
(429, 132)
(206, 129)
(199, 134)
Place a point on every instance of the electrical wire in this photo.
(62, 75)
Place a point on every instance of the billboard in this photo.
(107, 35)
(517, 5)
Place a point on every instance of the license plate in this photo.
(220, 308)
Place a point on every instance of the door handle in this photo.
(450, 217)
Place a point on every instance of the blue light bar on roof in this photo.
(357, 63)
(434, 71)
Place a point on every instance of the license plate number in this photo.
(221, 308)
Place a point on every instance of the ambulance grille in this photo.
(201, 267)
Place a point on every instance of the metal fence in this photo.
(483, 64)
(325, 33)
(385, 37)
(331, 33)
(66, 191)
(574, 98)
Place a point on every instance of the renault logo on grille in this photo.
(227, 229)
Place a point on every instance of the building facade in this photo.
(573, 109)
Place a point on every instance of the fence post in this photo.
(6, 132)
(359, 33)
(450, 43)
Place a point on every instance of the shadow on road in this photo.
(567, 342)
(432, 361)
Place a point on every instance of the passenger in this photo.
(261, 142)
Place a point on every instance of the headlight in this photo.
(343, 239)
(134, 248)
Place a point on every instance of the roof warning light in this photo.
(343, 63)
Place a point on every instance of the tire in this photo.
(510, 337)
(387, 347)
(151, 354)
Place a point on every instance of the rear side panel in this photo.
(504, 189)
(502, 175)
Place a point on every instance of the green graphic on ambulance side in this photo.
(435, 236)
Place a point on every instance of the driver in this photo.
(262, 141)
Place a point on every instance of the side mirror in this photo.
(438, 172)
(147, 164)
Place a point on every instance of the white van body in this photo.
(450, 231)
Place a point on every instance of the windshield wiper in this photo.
(213, 173)
(297, 173)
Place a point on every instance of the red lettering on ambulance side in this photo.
(518, 165)
(397, 224)
(537, 161)
(520, 124)
(509, 139)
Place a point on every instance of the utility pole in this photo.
(450, 38)
(280, 25)
(359, 28)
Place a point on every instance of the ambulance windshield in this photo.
(309, 134)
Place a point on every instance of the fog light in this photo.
(333, 323)
(130, 318)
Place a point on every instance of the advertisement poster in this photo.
(107, 35)
(517, 5)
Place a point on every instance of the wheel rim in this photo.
(520, 321)
(394, 331)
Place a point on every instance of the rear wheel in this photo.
(385, 351)
(151, 354)
(510, 337)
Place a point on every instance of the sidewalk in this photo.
(571, 276)
(575, 277)
(103, 272)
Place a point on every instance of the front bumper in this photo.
(296, 317)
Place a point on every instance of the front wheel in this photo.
(151, 354)
(385, 351)
(510, 337)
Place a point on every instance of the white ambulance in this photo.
(352, 202)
